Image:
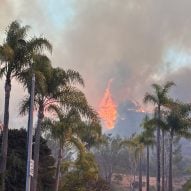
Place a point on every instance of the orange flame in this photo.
(139, 108)
(108, 108)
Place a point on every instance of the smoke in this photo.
(182, 80)
(126, 40)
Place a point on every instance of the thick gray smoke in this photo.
(123, 40)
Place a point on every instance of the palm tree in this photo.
(65, 130)
(90, 133)
(15, 55)
(178, 121)
(147, 138)
(56, 87)
(139, 147)
(159, 99)
(140, 141)
(61, 131)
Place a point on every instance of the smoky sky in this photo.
(123, 40)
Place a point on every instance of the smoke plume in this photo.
(127, 40)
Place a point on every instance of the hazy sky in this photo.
(132, 42)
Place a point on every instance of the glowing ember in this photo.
(108, 108)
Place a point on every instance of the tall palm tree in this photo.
(61, 131)
(147, 138)
(159, 98)
(139, 146)
(15, 54)
(65, 130)
(179, 122)
(56, 87)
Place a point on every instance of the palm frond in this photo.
(6, 53)
(71, 97)
(90, 132)
(165, 90)
(57, 110)
(24, 106)
(15, 32)
(185, 134)
(74, 77)
(37, 45)
(61, 79)
(167, 86)
(47, 124)
(150, 98)
(156, 87)
(41, 67)
(2, 71)
(77, 142)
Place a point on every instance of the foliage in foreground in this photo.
(187, 186)
(84, 175)
(16, 163)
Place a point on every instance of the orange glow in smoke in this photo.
(139, 108)
(108, 108)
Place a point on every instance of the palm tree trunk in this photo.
(163, 160)
(170, 163)
(148, 177)
(58, 169)
(110, 173)
(37, 147)
(158, 152)
(4, 146)
(140, 172)
(166, 165)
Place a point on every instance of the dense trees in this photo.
(54, 87)
(107, 155)
(16, 163)
(65, 117)
(178, 121)
(174, 119)
(65, 131)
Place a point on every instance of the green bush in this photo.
(187, 186)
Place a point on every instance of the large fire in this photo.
(139, 108)
(108, 108)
